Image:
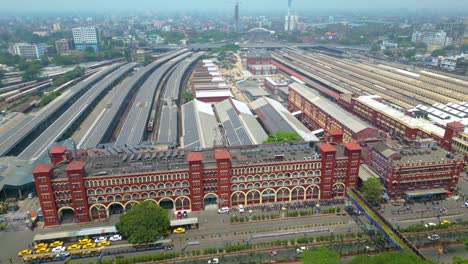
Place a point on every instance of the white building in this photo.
(29, 51)
(437, 38)
(290, 22)
(84, 37)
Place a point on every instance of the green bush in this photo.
(210, 251)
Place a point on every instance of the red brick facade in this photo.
(228, 183)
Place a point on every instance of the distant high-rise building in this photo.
(454, 30)
(84, 37)
(62, 46)
(437, 38)
(56, 26)
(290, 21)
(29, 51)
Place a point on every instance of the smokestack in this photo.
(289, 3)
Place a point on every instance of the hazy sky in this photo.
(219, 5)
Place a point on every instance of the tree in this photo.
(282, 137)
(459, 260)
(372, 190)
(375, 47)
(395, 257)
(438, 52)
(464, 48)
(320, 255)
(143, 223)
(188, 96)
(410, 53)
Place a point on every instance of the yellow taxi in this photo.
(179, 230)
(43, 250)
(41, 245)
(76, 253)
(47, 256)
(74, 247)
(445, 222)
(27, 259)
(104, 243)
(56, 244)
(84, 241)
(24, 252)
(89, 245)
(92, 251)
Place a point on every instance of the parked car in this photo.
(433, 237)
(59, 249)
(115, 238)
(24, 252)
(100, 239)
(241, 208)
(223, 210)
(62, 255)
(300, 250)
(56, 244)
(104, 243)
(213, 261)
(169, 247)
(430, 224)
(179, 230)
(179, 215)
(273, 253)
(445, 222)
(185, 214)
(31, 195)
(74, 247)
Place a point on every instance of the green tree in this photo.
(438, 52)
(459, 260)
(395, 257)
(464, 48)
(375, 47)
(410, 53)
(372, 190)
(282, 137)
(143, 223)
(320, 255)
(188, 96)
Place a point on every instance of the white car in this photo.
(100, 239)
(300, 250)
(213, 261)
(433, 237)
(223, 210)
(430, 224)
(115, 238)
(63, 255)
(241, 208)
(59, 249)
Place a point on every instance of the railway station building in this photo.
(317, 112)
(414, 172)
(93, 187)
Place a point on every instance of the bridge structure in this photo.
(269, 45)
(400, 242)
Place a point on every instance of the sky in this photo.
(40, 6)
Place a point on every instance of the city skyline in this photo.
(50, 6)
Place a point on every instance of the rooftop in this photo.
(276, 117)
(347, 119)
(144, 159)
(412, 155)
(412, 122)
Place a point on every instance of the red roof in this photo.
(43, 168)
(75, 165)
(336, 132)
(222, 154)
(59, 149)
(456, 124)
(327, 148)
(194, 156)
(353, 146)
